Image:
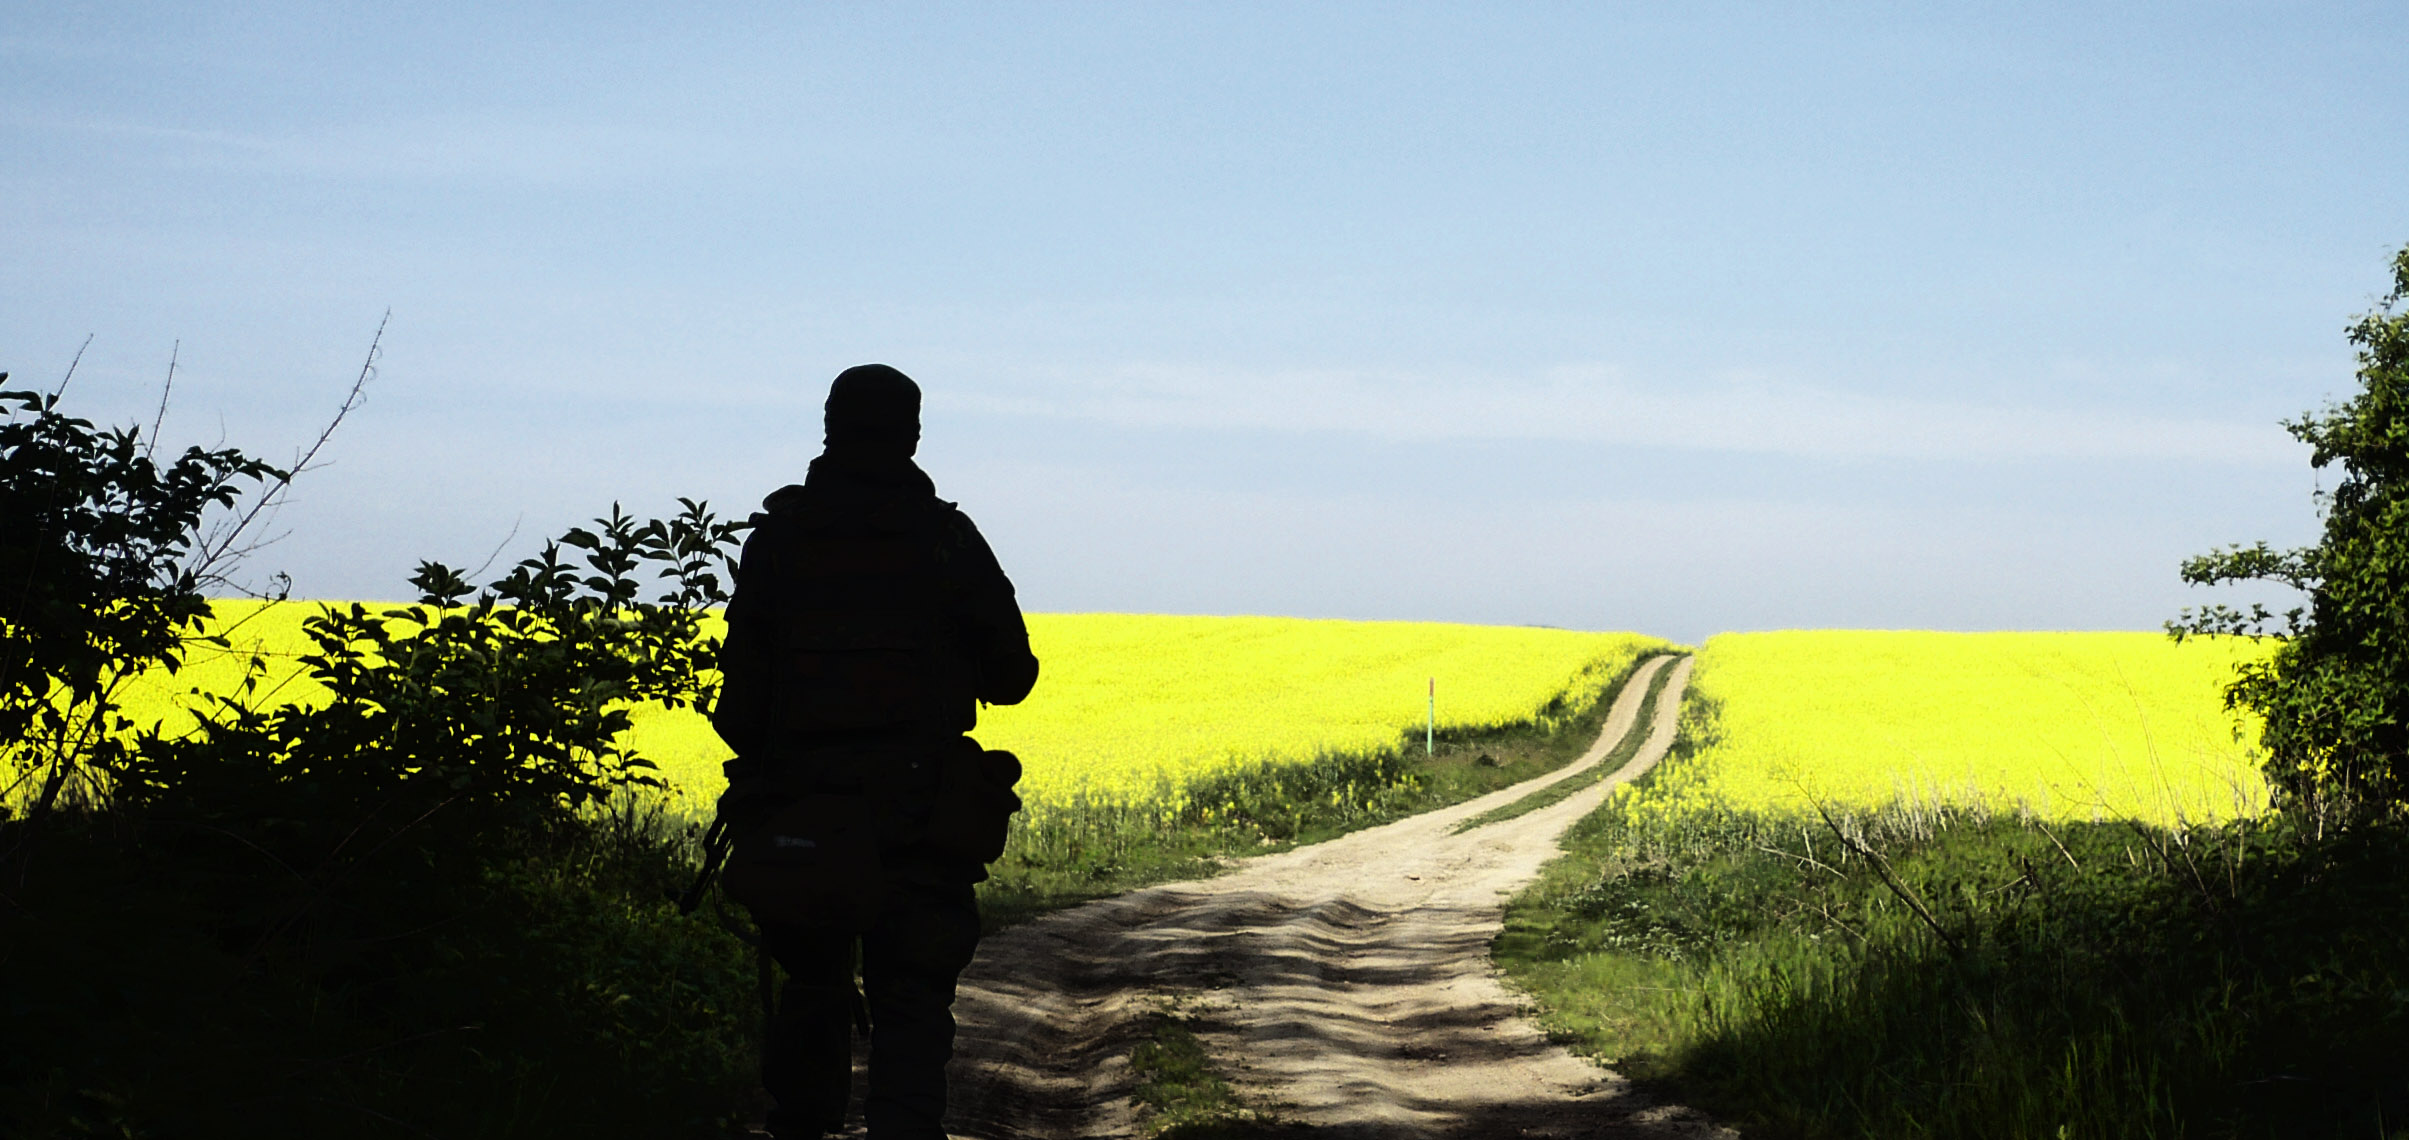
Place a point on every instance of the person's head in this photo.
(873, 410)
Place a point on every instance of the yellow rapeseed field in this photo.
(1130, 707)
(2063, 725)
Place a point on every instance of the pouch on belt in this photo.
(810, 862)
(972, 813)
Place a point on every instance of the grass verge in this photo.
(1066, 854)
(1932, 972)
(1612, 762)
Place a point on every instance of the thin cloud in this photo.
(1736, 414)
(199, 140)
(432, 148)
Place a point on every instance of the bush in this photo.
(425, 906)
(447, 720)
(2335, 694)
(102, 567)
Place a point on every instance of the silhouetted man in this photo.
(869, 621)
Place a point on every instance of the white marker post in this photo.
(1430, 726)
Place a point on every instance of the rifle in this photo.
(716, 843)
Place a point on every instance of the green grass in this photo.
(1934, 971)
(1612, 762)
(1181, 1093)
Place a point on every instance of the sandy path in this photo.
(1347, 983)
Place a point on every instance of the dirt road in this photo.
(1346, 984)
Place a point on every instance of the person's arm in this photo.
(997, 636)
(748, 657)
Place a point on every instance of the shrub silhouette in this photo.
(417, 905)
(2335, 695)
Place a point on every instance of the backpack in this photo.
(863, 636)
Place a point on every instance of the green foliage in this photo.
(2335, 695)
(423, 906)
(408, 909)
(443, 716)
(102, 564)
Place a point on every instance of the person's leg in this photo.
(807, 1060)
(910, 959)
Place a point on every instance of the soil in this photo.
(1346, 987)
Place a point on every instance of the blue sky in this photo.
(1674, 318)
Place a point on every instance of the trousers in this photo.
(910, 958)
